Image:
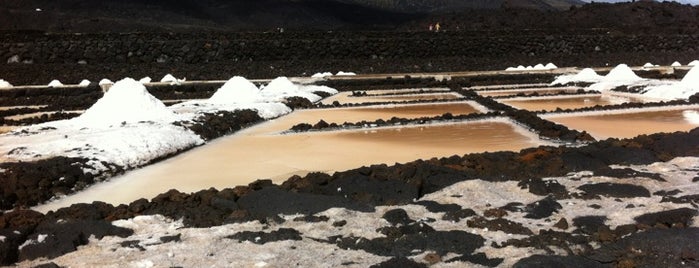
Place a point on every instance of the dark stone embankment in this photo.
(71, 58)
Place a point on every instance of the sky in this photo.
(693, 2)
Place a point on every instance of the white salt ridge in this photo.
(538, 67)
(84, 83)
(587, 75)
(341, 73)
(282, 88)
(322, 75)
(621, 72)
(145, 80)
(5, 84)
(55, 83)
(126, 101)
(676, 64)
(691, 116)
(236, 90)
(676, 90)
(693, 63)
(621, 75)
(105, 81)
(314, 88)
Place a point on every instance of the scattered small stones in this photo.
(562, 224)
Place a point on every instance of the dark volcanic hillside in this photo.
(187, 15)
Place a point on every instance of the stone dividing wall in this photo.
(246, 47)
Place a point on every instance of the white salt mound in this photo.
(55, 83)
(691, 79)
(341, 73)
(145, 80)
(551, 66)
(105, 81)
(693, 63)
(539, 67)
(621, 72)
(678, 90)
(691, 116)
(676, 64)
(280, 85)
(322, 75)
(168, 78)
(236, 90)
(281, 88)
(126, 101)
(5, 84)
(648, 65)
(587, 75)
(84, 83)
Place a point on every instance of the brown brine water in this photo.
(566, 102)
(261, 153)
(527, 91)
(631, 123)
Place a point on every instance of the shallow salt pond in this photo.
(385, 112)
(630, 123)
(345, 97)
(527, 91)
(551, 103)
(261, 153)
(508, 86)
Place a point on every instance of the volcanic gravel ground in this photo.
(607, 203)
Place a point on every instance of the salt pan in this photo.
(236, 90)
(55, 83)
(126, 101)
(5, 84)
(587, 75)
(105, 81)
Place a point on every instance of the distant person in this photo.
(437, 27)
(431, 27)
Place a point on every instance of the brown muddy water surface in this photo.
(551, 103)
(345, 97)
(527, 91)
(631, 123)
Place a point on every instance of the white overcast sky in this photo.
(693, 2)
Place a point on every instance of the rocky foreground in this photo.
(626, 203)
